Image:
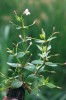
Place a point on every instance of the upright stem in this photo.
(24, 49)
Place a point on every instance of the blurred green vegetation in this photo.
(50, 15)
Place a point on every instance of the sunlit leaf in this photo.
(31, 68)
(51, 64)
(42, 36)
(49, 47)
(40, 41)
(49, 39)
(45, 54)
(44, 48)
(14, 64)
(46, 80)
(39, 47)
(37, 62)
(50, 85)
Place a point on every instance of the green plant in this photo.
(25, 71)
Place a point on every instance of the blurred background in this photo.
(50, 15)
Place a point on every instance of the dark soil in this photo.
(17, 93)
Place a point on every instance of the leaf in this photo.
(40, 41)
(41, 81)
(49, 71)
(49, 39)
(45, 54)
(46, 80)
(32, 78)
(41, 69)
(51, 64)
(37, 62)
(14, 64)
(42, 36)
(20, 54)
(18, 18)
(28, 38)
(44, 48)
(55, 55)
(31, 68)
(50, 85)
(39, 47)
(16, 83)
(18, 27)
(49, 47)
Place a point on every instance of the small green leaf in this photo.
(41, 81)
(20, 54)
(49, 39)
(37, 62)
(39, 47)
(46, 80)
(50, 85)
(49, 47)
(16, 83)
(18, 18)
(31, 68)
(45, 54)
(9, 51)
(42, 36)
(40, 41)
(44, 48)
(14, 64)
(51, 64)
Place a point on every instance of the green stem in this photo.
(24, 49)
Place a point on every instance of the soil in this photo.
(17, 93)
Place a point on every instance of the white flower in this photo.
(26, 12)
(20, 36)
